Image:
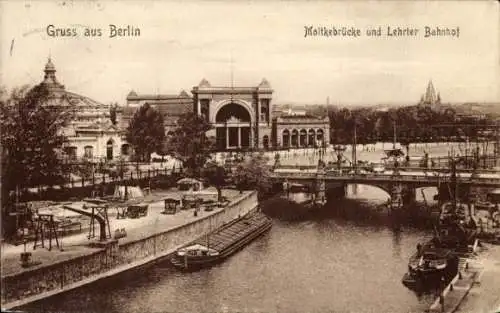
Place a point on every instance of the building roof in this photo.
(61, 97)
(79, 100)
(173, 108)
(264, 84)
(302, 119)
(134, 96)
(50, 80)
(204, 83)
(300, 116)
(49, 67)
(205, 87)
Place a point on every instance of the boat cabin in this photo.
(197, 250)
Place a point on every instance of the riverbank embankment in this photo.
(80, 264)
(484, 295)
(477, 286)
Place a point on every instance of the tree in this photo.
(216, 176)
(84, 170)
(189, 143)
(146, 132)
(253, 173)
(32, 122)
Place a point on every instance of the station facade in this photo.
(300, 131)
(242, 118)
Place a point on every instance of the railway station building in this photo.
(242, 119)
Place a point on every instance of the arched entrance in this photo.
(265, 142)
(286, 138)
(232, 127)
(109, 149)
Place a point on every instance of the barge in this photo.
(222, 243)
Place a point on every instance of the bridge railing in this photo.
(388, 168)
(382, 177)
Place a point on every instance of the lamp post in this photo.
(354, 161)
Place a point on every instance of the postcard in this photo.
(250, 156)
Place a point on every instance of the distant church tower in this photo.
(430, 98)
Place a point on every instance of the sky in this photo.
(182, 43)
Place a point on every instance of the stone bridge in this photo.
(400, 185)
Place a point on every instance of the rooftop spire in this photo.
(232, 70)
(430, 94)
(232, 76)
(49, 78)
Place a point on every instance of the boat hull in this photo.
(192, 263)
(421, 278)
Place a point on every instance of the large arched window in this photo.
(109, 149)
(232, 110)
(319, 135)
(88, 152)
(295, 138)
(303, 138)
(285, 138)
(311, 138)
(125, 149)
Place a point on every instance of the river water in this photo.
(344, 258)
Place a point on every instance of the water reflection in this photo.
(396, 243)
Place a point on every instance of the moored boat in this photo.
(437, 260)
(221, 243)
(430, 265)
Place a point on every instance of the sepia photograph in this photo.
(250, 156)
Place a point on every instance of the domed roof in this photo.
(183, 94)
(132, 94)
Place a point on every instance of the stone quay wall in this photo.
(113, 258)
